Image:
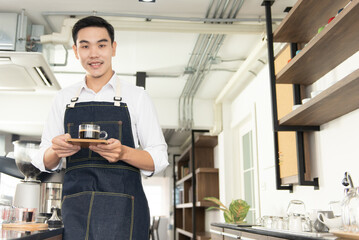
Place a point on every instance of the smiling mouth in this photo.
(95, 64)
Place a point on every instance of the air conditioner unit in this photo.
(22, 65)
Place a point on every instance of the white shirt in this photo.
(146, 130)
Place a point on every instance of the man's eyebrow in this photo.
(83, 41)
(101, 40)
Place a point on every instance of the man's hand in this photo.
(112, 151)
(62, 148)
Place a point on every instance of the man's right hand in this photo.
(60, 148)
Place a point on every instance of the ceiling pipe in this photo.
(218, 44)
(186, 119)
(182, 27)
(197, 75)
(152, 17)
(204, 62)
(148, 74)
(64, 36)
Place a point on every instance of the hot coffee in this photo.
(91, 131)
(89, 134)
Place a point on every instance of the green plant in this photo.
(236, 213)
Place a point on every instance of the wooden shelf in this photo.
(206, 141)
(185, 178)
(198, 204)
(326, 50)
(198, 170)
(337, 100)
(200, 141)
(302, 22)
(185, 155)
(200, 235)
(198, 157)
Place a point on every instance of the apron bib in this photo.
(102, 200)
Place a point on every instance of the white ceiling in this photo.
(162, 55)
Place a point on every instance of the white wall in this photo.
(167, 111)
(334, 149)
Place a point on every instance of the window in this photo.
(246, 153)
(248, 174)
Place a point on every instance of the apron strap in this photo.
(74, 99)
(117, 99)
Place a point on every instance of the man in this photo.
(103, 196)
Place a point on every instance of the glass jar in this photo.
(306, 224)
(6, 211)
(296, 207)
(350, 210)
(267, 221)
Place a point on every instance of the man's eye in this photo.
(102, 45)
(84, 46)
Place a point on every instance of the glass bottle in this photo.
(350, 207)
(345, 213)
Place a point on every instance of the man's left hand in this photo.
(113, 151)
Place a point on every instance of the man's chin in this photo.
(94, 74)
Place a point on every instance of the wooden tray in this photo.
(85, 143)
(25, 226)
(345, 235)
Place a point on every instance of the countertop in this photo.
(277, 233)
(27, 235)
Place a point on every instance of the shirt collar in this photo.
(111, 83)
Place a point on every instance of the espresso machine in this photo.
(51, 192)
(27, 193)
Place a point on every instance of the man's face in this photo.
(94, 50)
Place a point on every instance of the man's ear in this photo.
(114, 45)
(74, 47)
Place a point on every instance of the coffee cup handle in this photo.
(321, 218)
(103, 132)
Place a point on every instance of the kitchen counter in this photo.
(53, 234)
(277, 233)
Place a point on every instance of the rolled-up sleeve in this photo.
(150, 134)
(52, 128)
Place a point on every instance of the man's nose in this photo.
(94, 52)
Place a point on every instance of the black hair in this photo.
(92, 21)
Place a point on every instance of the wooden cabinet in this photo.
(250, 236)
(323, 52)
(218, 233)
(200, 155)
(230, 234)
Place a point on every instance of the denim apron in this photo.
(102, 200)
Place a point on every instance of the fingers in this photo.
(113, 144)
(111, 151)
(62, 148)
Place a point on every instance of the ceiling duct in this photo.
(22, 65)
(205, 50)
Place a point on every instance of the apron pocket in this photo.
(74, 211)
(108, 215)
